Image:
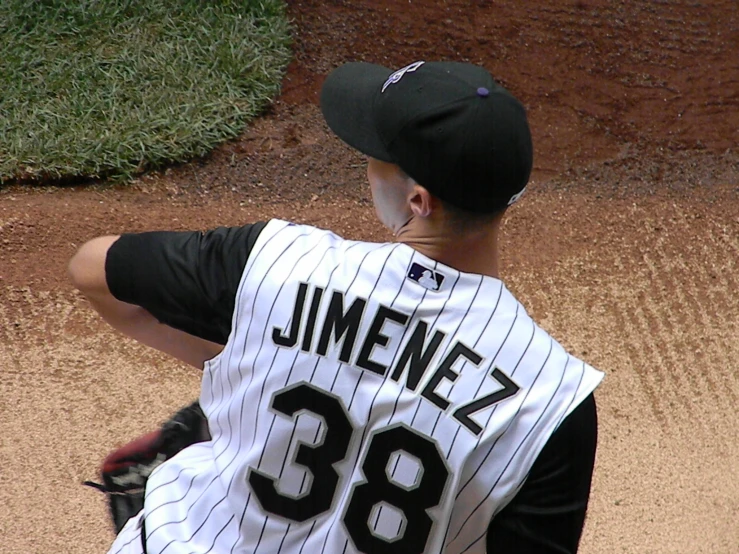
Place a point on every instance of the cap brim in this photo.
(347, 103)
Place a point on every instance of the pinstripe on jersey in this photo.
(355, 409)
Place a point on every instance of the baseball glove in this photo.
(124, 471)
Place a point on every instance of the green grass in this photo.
(99, 88)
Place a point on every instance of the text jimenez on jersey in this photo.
(415, 356)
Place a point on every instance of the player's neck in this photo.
(474, 253)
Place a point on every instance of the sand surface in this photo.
(625, 248)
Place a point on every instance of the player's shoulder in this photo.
(285, 227)
(282, 231)
(539, 333)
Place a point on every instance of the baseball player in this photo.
(361, 397)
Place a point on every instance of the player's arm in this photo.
(87, 271)
(173, 291)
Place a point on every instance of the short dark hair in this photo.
(463, 221)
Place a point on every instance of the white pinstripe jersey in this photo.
(368, 399)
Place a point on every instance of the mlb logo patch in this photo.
(425, 277)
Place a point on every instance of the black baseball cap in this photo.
(448, 125)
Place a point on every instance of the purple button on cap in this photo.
(483, 92)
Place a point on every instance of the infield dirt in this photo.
(625, 248)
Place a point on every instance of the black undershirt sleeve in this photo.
(187, 280)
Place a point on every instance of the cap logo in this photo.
(515, 197)
(398, 75)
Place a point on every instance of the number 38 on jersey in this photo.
(406, 502)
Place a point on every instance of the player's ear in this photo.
(421, 201)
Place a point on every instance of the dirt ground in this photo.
(625, 248)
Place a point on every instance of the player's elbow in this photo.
(86, 269)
